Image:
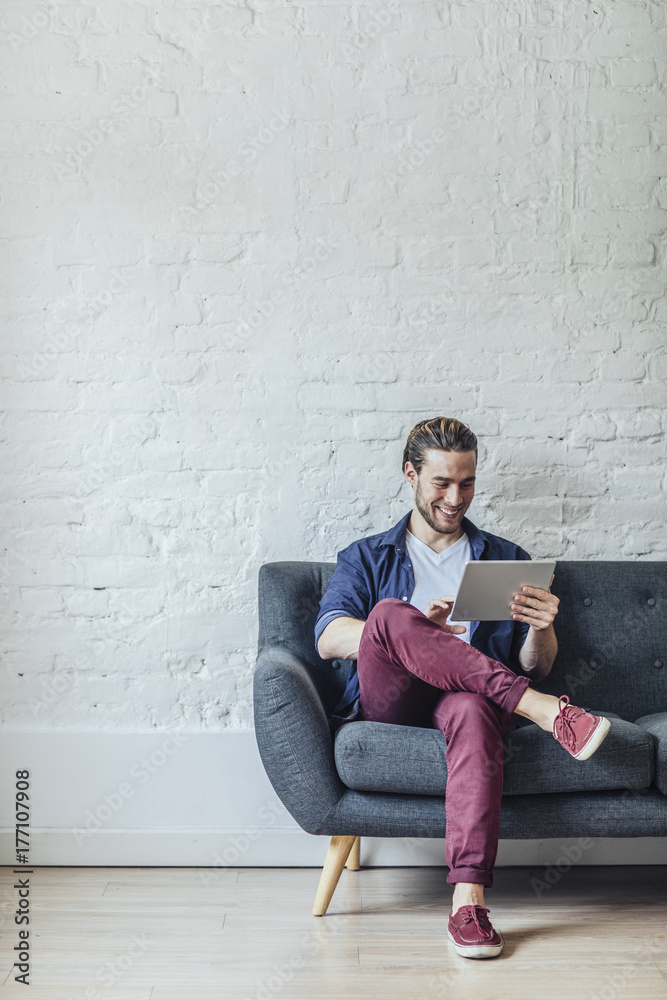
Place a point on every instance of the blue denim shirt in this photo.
(378, 566)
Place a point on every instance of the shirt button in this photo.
(658, 664)
(404, 598)
(587, 602)
(651, 602)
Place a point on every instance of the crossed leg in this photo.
(413, 672)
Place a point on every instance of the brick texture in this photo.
(244, 249)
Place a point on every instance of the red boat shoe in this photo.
(577, 730)
(472, 934)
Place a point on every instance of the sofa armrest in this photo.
(656, 725)
(294, 738)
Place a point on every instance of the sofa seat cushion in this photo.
(656, 725)
(382, 757)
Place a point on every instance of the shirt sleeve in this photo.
(348, 594)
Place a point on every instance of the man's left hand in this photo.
(536, 606)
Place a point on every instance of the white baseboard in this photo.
(203, 800)
(278, 847)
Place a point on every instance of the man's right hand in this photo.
(438, 610)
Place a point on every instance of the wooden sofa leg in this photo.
(339, 848)
(354, 859)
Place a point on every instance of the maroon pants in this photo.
(414, 673)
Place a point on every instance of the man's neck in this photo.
(434, 539)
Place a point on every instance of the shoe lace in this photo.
(478, 915)
(563, 723)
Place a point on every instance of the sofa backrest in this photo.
(612, 636)
(611, 628)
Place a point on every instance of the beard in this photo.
(431, 518)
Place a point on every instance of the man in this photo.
(387, 607)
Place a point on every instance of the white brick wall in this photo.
(245, 249)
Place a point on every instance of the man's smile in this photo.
(449, 515)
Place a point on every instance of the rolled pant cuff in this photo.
(481, 876)
(515, 693)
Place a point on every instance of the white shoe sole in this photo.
(595, 741)
(478, 950)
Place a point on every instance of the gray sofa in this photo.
(381, 780)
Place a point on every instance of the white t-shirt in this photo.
(437, 573)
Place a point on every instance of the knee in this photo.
(385, 609)
(465, 709)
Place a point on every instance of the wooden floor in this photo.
(248, 934)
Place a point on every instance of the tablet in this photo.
(488, 587)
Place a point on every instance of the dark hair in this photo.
(444, 433)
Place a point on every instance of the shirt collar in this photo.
(396, 535)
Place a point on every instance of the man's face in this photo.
(444, 488)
